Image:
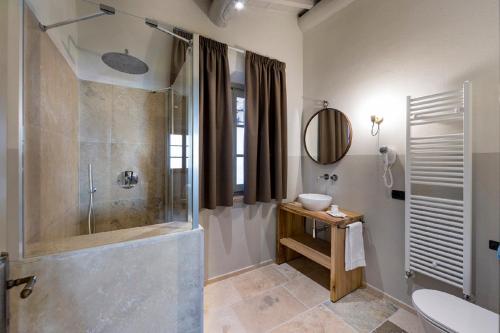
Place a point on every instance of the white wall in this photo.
(365, 60)
(244, 235)
(83, 43)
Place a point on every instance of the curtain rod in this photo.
(236, 49)
(242, 51)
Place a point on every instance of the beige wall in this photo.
(243, 235)
(365, 60)
(121, 129)
(51, 151)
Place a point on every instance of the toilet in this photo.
(441, 312)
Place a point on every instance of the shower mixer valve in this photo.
(128, 179)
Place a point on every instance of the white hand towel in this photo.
(354, 247)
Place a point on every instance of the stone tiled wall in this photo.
(122, 129)
(51, 139)
(70, 123)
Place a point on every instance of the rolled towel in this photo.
(354, 246)
(336, 214)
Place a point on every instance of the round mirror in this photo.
(328, 136)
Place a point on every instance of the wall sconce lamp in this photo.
(376, 120)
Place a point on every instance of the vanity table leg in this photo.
(280, 233)
(288, 225)
(341, 282)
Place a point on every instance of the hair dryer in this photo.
(389, 157)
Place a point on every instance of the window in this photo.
(238, 135)
(176, 151)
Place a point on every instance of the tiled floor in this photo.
(294, 297)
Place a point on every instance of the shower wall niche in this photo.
(80, 113)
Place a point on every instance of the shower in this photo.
(125, 63)
(121, 119)
(91, 214)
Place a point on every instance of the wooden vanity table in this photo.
(293, 241)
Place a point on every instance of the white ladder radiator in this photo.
(438, 187)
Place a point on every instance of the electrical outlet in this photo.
(399, 195)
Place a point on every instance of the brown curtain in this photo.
(216, 126)
(333, 135)
(179, 49)
(265, 131)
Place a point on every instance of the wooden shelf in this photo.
(292, 242)
(315, 249)
(296, 208)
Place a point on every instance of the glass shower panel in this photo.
(107, 108)
(178, 147)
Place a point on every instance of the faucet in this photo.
(326, 176)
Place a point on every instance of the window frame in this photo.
(237, 90)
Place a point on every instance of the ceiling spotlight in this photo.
(239, 5)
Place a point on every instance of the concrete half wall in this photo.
(150, 285)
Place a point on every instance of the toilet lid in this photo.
(453, 313)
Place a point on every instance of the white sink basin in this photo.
(314, 201)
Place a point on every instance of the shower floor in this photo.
(294, 297)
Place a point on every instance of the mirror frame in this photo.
(305, 131)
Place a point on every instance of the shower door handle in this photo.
(28, 281)
(5, 285)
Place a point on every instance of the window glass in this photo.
(176, 151)
(240, 111)
(175, 139)
(175, 163)
(239, 137)
(239, 171)
(240, 134)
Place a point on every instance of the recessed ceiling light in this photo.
(239, 5)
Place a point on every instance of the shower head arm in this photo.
(104, 10)
(154, 24)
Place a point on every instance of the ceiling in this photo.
(289, 6)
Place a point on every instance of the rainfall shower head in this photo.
(124, 62)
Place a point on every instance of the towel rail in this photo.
(455, 229)
(436, 119)
(436, 221)
(445, 272)
(446, 93)
(346, 226)
(432, 251)
(438, 227)
(442, 136)
(454, 103)
(436, 100)
(436, 256)
(437, 210)
(436, 199)
(428, 272)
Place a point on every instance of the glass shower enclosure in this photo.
(107, 125)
